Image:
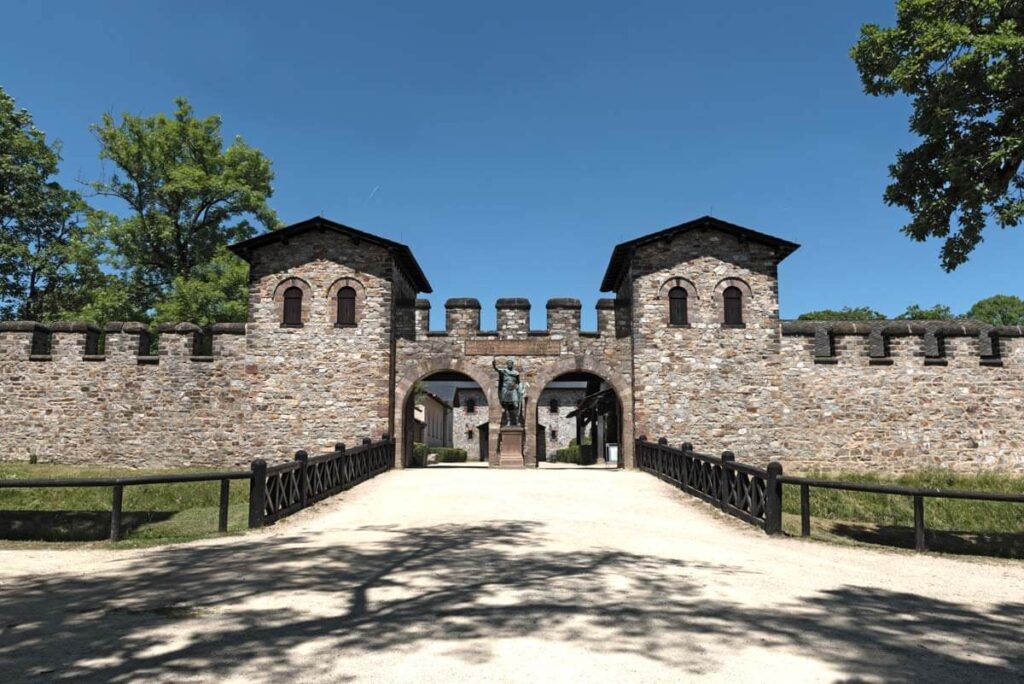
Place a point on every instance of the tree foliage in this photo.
(47, 262)
(916, 312)
(999, 310)
(860, 313)
(187, 197)
(962, 63)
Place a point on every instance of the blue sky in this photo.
(531, 134)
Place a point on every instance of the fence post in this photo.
(222, 513)
(773, 500)
(920, 543)
(805, 510)
(725, 484)
(662, 459)
(115, 513)
(303, 458)
(367, 441)
(687, 457)
(339, 447)
(257, 492)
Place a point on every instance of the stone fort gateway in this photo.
(689, 346)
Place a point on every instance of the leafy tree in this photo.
(860, 313)
(999, 310)
(962, 62)
(915, 312)
(47, 263)
(188, 196)
(218, 292)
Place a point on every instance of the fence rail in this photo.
(290, 487)
(274, 492)
(749, 493)
(755, 495)
(919, 494)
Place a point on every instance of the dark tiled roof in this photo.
(401, 253)
(624, 251)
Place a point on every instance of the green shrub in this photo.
(444, 454)
(570, 454)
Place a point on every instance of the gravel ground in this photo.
(477, 575)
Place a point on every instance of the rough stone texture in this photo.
(559, 428)
(466, 424)
(717, 387)
(113, 409)
(893, 396)
(312, 386)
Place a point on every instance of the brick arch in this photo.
(623, 390)
(692, 298)
(332, 298)
(307, 297)
(719, 295)
(428, 366)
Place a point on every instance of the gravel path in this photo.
(476, 575)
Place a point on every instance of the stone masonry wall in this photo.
(903, 412)
(541, 356)
(466, 425)
(121, 408)
(715, 386)
(560, 429)
(319, 384)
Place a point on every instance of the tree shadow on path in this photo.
(289, 605)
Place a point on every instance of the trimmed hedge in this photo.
(420, 452)
(570, 454)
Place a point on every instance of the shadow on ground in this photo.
(71, 526)
(1004, 545)
(185, 611)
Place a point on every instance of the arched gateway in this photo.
(690, 344)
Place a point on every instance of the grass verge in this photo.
(954, 525)
(152, 514)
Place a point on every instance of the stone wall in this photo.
(319, 384)
(541, 355)
(907, 404)
(120, 407)
(891, 396)
(559, 428)
(466, 423)
(705, 382)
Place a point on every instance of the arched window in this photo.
(733, 302)
(553, 406)
(677, 306)
(346, 306)
(471, 406)
(292, 307)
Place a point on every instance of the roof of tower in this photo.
(623, 252)
(401, 253)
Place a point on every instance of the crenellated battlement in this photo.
(118, 342)
(462, 318)
(883, 342)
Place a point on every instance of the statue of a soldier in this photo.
(510, 393)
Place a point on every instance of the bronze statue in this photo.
(511, 393)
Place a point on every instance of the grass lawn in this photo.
(954, 525)
(152, 514)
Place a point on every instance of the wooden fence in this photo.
(751, 494)
(755, 495)
(274, 492)
(278, 491)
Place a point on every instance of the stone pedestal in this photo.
(510, 447)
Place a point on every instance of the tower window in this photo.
(292, 317)
(677, 306)
(733, 302)
(346, 306)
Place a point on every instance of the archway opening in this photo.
(579, 423)
(446, 422)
